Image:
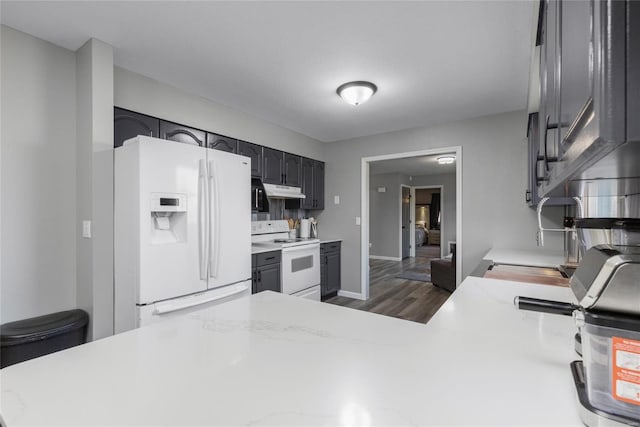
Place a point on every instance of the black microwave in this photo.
(259, 201)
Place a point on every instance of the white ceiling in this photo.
(414, 166)
(433, 61)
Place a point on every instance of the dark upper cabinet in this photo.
(272, 166)
(589, 68)
(292, 170)
(312, 183)
(318, 185)
(222, 143)
(281, 168)
(575, 78)
(253, 151)
(308, 183)
(127, 124)
(180, 133)
(549, 139)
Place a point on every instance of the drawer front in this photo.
(267, 258)
(330, 247)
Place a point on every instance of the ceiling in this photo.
(433, 61)
(413, 166)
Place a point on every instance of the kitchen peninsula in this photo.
(273, 359)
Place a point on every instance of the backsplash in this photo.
(277, 210)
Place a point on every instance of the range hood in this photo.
(283, 192)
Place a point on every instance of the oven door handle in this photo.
(301, 248)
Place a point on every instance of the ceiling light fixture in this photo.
(446, 160)
(355, 93)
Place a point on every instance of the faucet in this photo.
(541, 230)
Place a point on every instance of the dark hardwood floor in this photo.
(405, 299)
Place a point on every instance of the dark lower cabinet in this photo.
(179, 133)
(266, 272)
(254, 151)
(330, 279)
(127, 125)
(222, 143)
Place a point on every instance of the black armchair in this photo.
(443, 271)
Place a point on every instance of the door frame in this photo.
(413, 215)
(410, 222)
(364, 209)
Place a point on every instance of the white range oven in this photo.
(300, 264)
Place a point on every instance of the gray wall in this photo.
(384, 220)
(494, 170)
(447, 202)
(143, 94)
(38, 134)
(94, 83)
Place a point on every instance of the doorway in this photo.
(428, 220)
(409, 234)
(405, 221)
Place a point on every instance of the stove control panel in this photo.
(268, 227)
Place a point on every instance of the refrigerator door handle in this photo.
(171, 306)
(214, 220)
(202, 215)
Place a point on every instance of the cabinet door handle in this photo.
(259, 276)
(581, 118)
(270, 258)
(546, 157)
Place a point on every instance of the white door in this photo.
(229, 251)
(170, 258)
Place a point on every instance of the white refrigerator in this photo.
(182, 229)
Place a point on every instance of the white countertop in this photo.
(535, 258)
(330, 240)
(273, 359)
(264, 247)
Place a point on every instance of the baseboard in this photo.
(385, 258)
(349, 294)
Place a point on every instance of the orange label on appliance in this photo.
(626, 370)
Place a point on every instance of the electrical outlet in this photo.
(86, 229)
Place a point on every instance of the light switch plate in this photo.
(336, 200)
(357, 220)
(86, 229)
